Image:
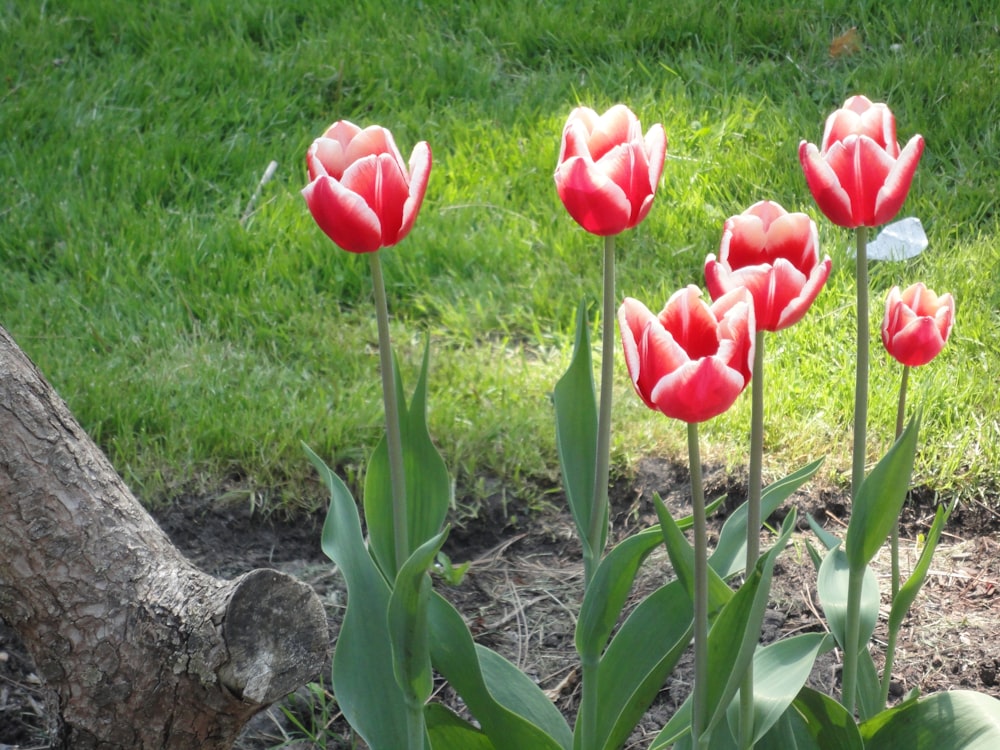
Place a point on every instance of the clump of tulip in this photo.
(689, 362)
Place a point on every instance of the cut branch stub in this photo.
(140, 648)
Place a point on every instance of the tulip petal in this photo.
(917, 343)
(612, 129)
(698, 391)
(596, 203)
(893, 192)
(824, 184)
(872, 166)
(655, 144)
(343, 215)
(691, 322)
(420, 170)
(797, 307)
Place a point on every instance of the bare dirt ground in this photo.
(522, 591)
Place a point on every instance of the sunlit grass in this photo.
(200, 351)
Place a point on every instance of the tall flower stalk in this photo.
(393, 438)
(606, 177)
(598, 509)
(691, 362)
(915, 328)
(859, 178)
(775, 256)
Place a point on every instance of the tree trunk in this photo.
(138, 647)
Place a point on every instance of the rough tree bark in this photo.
(138, 647)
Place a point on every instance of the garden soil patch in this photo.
(522, 591)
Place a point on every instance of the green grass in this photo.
(200, 351)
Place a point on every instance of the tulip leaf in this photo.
(516, 716)
(732, 642)
(909, 590)
(428, 485)
(780, 671)
(832, 585)
(729, 557)
(609, 589)
(639, 659)
(814, 722)
(450, 732)
(880, 498)
(827, 539)
(575, 404)
(736, 632)
(869, 693)
(408, 628)
(683, 560)
(364, 680)
(956, 719)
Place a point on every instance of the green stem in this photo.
(596, 534)
(588, 702)
(753, 518)
(699, 699)
(415, 729)
(890, 649)
(861, 373)
(900, 423)
(860, 450)
(852, 648)
(394, 443)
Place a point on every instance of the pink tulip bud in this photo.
(608, 171)
(860, 177)
(775, 255)
(362, 194)
(917, 324)
(693, 359)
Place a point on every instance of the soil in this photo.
(522, 590)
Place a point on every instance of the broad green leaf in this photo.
(514, 689)
(682, 559)
(408, 627)
(832, 585)
(608, 590)
(450, 732)
(638, 661)
(611, 584)
(869, 693)
(880, 498)
(736, 632)
(529, 719)
(428, 486)
(576, 431)
(729, 557)
(909, 590)
(363, 678)
(814, 722)
(676, 731)
(959, 719)
(825, 537)
(780, 670)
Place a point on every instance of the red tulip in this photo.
(608, 171)
(693, 359)
(916, 324)
(775, 255)
(860, 177)
(361, 193)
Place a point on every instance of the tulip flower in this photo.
(859, 176)
(917, 323)
(608, 171)
(693, 359)
(361, 192)
(775, 255)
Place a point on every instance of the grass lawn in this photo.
(199, 350)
